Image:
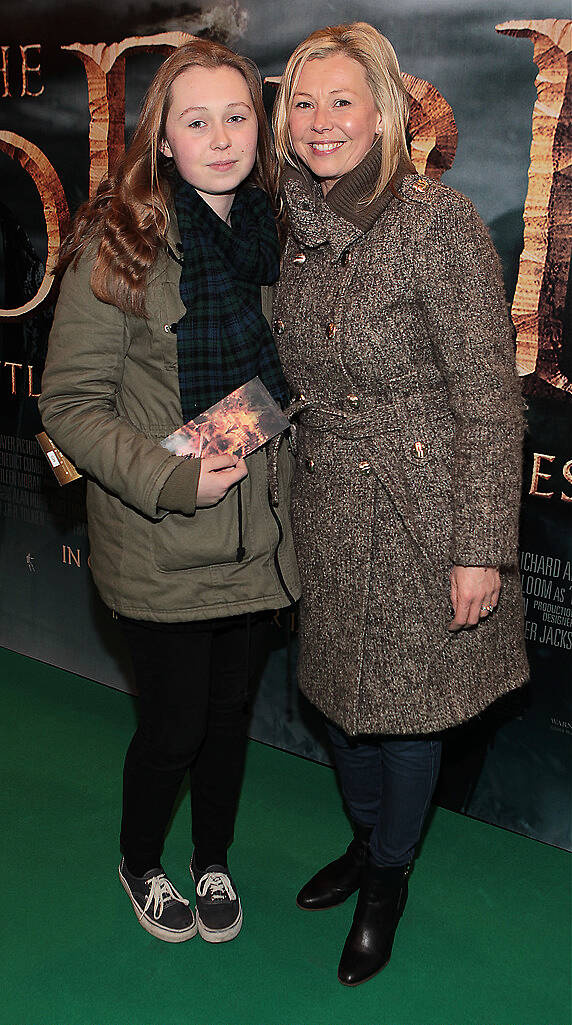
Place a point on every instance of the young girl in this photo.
(159, 317)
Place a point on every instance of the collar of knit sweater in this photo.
(311, 213)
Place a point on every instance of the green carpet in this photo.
(485, 939)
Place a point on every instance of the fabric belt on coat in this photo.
(387, 411)
(317, 416)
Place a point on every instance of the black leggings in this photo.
(194, 682)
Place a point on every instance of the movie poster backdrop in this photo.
(478, 114)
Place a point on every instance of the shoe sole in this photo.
(159, 931)
(368, 977)
(220, 935)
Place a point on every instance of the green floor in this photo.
(485, 939)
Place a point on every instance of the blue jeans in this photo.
(387, 783)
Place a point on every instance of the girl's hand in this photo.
(475, 593)
(217, 475)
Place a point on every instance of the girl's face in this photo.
(333, 121)
(211, 133)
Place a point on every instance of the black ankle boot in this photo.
(334, 883)
(381, 901)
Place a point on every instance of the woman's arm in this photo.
(461, 294)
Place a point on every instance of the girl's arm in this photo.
(78, 404)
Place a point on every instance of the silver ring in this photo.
(487, 608)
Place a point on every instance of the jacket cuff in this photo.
(179, 492)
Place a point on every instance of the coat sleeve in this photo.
(460, 287)
(78, 402)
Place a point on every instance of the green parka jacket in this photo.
(110, 394)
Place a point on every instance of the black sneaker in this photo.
(160, 909)
(219, 911)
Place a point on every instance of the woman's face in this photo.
(211, 132)
(333, 121)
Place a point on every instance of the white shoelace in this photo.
(218, 884)
(161, 892)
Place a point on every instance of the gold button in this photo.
(418, 450)
(279, 327)
(353, 401)
(299, 258)
(310, 465)
(346, 258)
(331, 331)
(364, 468)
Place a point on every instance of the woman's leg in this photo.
(409, 774)
(360, 770)
(410, 768)
(387, 783)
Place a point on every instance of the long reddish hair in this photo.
(128, 217)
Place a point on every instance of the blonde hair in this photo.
(364, 44)
(129, 216)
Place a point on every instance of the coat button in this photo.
(310, 465)
(299, 258)
(346, 258)
(353, 401)
(364, 468)
(279, 327)
(331, 331)
(418, 450)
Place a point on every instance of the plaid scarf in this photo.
(224, 340)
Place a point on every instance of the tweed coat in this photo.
(392, 327)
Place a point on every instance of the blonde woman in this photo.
(392, 328)
(159, 317)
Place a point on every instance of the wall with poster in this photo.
(501, 138)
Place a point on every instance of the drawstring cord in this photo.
(241, 550)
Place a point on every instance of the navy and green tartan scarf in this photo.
(224, 340)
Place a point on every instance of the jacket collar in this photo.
(339, 218)
(174, 237)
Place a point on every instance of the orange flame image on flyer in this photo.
(237, 425)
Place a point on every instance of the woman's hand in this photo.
(474, 594)
(218, 474)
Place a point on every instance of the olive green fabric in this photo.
(110, 394)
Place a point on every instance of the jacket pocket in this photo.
(208, 538)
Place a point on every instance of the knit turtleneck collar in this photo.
(346, 197)
(339, 216)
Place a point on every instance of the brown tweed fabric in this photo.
(409, 451)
